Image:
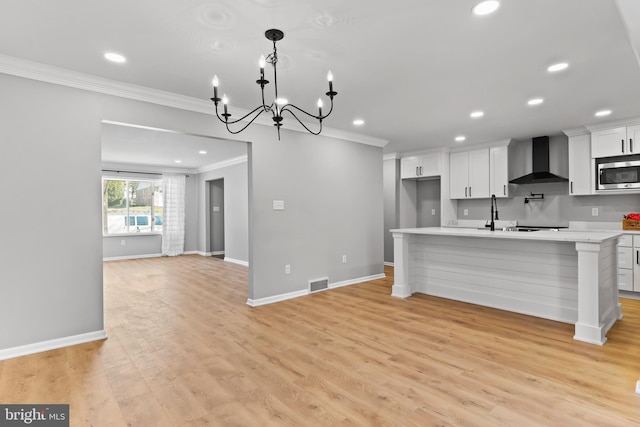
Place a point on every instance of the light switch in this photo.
(216, 208)
(278, 205)
(433, 211)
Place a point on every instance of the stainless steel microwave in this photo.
(617, 175)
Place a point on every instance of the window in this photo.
(131, 206)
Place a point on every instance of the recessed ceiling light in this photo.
(486, 7)
(202, 152)
(460, 138)
(603, 113)
(115, 57)
(177, 161)
(535, 101)
(358, 122)
(477, 114)
(558, 67)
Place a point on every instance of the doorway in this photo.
(216, 217)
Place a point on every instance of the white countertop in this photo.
(566, 235)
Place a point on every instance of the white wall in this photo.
(51, 134)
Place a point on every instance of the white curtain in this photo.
(173, 190)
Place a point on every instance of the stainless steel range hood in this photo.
(540, 156)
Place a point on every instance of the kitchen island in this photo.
(567, 276)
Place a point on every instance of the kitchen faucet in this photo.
(494, 208)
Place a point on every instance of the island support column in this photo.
(401, 286)
(597, 289)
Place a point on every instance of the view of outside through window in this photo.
(131, 206)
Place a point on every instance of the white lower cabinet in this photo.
(629, 263)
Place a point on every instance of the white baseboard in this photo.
(39, 347)
(356, 281)
(217, 253)
(191, 253)
(237, 261)
(388, 264)
(276, 298)
(119, 258)
(296, 294)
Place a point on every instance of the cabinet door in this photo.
(430, 165)
(458, 175)
(609, 142)
(499, 171)
(625, 257)
(633, 135)
(625, 279)
(636, 269)
(580, 165)
(409, 167)
(479, 173)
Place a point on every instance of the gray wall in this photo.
(332, 190)
(557, 208)
(333, 195)
(141, 245)
(51, 252)
(236, 193)
(428, 200)
(391, 182)
(217, 215)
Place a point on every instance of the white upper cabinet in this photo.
(499, 171)
(580, 167)
(620, 141)
(469, 174)
(420, 166)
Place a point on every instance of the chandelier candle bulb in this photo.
(330, 78)
(319, 107)
(215, 87)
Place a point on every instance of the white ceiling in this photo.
(153, 147)
(412, 69)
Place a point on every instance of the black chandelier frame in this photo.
(276, 110)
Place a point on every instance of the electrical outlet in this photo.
(278, 205)
(287, 269)
(344, 259)
(594, 211)
(123, 242)
(466, 212)
(433, 211)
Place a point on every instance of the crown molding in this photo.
(576, 131)
(391, 156)
(60, 76)
(613, 124)
(223, 164)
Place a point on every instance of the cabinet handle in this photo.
(465, 191)
(637, 252)
(420, 170)
(469, 191)
(622, 145)
(571, 185)
(631, 145)
(417, 173)
(504, 189)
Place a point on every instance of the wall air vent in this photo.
(320, 284)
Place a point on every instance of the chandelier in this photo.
(279, 105)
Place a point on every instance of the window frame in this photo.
(152, 216)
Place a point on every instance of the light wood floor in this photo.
(185, 349)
